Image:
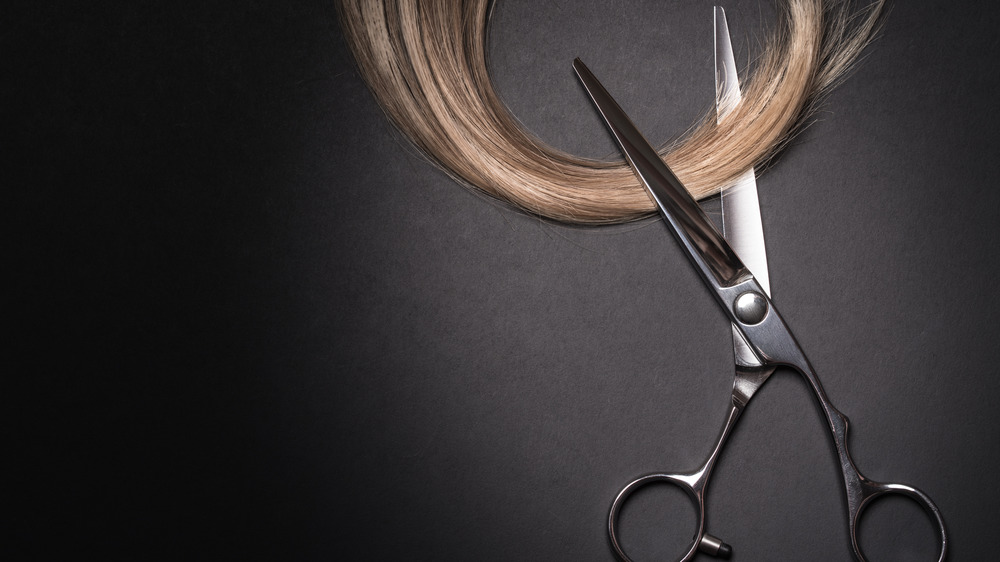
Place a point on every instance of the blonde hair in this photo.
(425, 62)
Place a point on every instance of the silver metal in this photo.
(750, 308)
(709, 251)
(713, 546)
(694, 483)
(741, 222)
(764, 334)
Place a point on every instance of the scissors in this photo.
(761, 339)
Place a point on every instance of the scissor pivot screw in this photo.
(750, 307)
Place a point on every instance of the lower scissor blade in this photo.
(741, 222)
(743, 228)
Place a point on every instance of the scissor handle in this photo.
(767, 334)
(870, 491)
(861, 492)
(692, 485)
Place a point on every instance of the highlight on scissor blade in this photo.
(727, 84)
(740, 205)
(714, 258)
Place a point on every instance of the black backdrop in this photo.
(250, 322)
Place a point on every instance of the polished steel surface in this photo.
(741, 222)
(758, 326)
(750, 308)
(709, 250)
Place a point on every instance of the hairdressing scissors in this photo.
(761, 339)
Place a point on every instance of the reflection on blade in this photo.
(727, 83)
(741, 223)
(713, 257)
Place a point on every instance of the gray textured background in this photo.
(255, 324)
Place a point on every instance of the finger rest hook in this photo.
(713, 546)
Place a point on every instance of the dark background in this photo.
(249, 322)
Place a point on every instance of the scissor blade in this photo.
(711, 254)
(741, 222)
(727, 83)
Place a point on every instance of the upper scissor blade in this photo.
(741, 222)
(714, 258)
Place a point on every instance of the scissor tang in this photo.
(750, 310)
